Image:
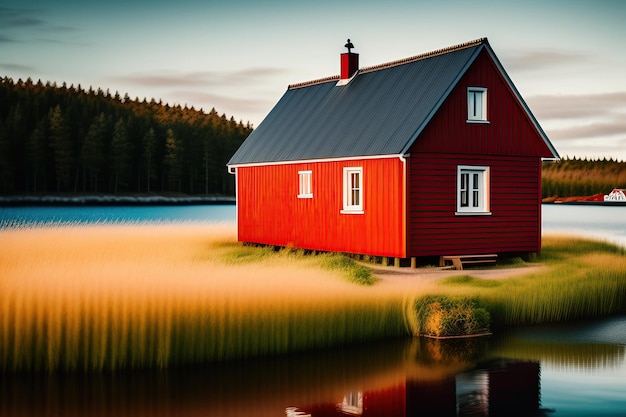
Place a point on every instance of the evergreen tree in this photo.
(120, 155)
(149, 146)
(92, 151)
(171, 161)
(36, 155)
(6, 164)
(61, 146)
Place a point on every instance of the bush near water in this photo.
(441, 316)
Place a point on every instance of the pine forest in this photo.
(60, 139)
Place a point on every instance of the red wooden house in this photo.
(436, 154)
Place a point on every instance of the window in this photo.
(476, 104)
(352, 403)
(472, 190)
(353, 190)
(305, 190)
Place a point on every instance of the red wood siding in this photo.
(435, 229)
(509, 144)
(269, 211)
(509, 131)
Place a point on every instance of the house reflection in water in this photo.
(496, 388)
(394, 378)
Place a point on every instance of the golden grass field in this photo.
(98, 297)
(107, 297)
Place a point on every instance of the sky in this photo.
(567, 58)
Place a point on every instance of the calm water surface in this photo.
(598, 222)
(30, 215)
(572, 370)
(575, 369)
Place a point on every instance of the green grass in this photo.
(234, 253)
(470, 281)
(581, 279)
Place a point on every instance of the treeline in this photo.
(581, 177)
(67, 139)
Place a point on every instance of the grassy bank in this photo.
(582, 279)
(98, 298)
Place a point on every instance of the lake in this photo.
(576, 369)
(599, 222)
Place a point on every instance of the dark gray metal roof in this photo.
(380, 112)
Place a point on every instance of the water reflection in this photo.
(521, 374)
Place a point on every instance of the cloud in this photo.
(591, 130)
(24, 21)
(203, 79)
(539, 59)
(6, 39)
(20, 25)
(243, 105)
(17, 67)
(577, 106)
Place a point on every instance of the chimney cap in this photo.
(349, 45)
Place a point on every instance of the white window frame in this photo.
(351, 192)
(473, 190)
(305, 184)
(477, 112)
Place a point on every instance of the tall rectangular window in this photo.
(305, 188)
(353, 190)
(472, 190)
(476, 104)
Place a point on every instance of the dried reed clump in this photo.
(442, 316)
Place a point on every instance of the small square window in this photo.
(476, 104)
(305, 189)
(472, 190)
(353, 190)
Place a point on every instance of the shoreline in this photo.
(112, 200)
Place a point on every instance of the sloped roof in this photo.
(380, 112)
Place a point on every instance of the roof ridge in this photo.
(395, 63)
(430, 54)
(313, 82)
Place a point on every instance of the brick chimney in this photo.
(349, 62)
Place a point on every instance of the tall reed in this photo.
(583, 279)
(94, 298)
(125, 297)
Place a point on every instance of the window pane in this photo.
(353, 190)
(304, 183)
(475, 199)
(463, 198)
(475, 182)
